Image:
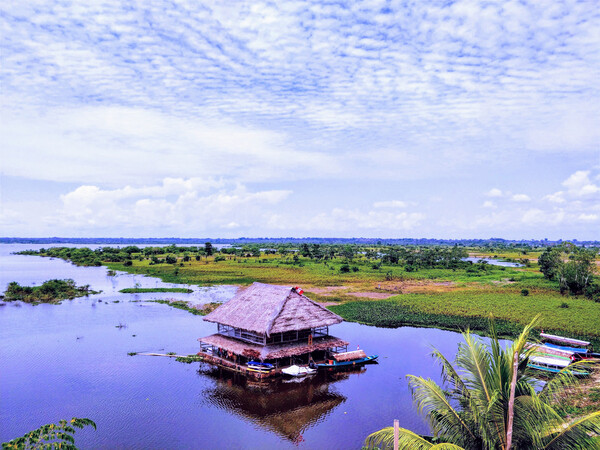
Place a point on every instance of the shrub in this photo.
(524, 292)
(564, 305)
(344, 268)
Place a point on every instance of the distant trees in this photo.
(573, 267)
(49, 291)
(208, 249)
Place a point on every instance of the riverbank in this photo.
(377, 292)
(389, 296)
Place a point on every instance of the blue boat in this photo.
(582, 351)
(259, 367)
(333, 364)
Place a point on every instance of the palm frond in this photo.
(581, 433)
(384, 439)
(450, 374)
(444, 418)
(474, 359)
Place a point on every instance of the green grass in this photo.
(180, 304)
(143, 290)
(474, 292)
(277, 270)
(189, 359)
(462, 309)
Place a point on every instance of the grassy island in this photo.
(393, 285)
(145, 290)
(51, 291)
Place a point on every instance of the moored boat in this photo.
(564, 340)
(298, 371)
(553, 365)
(581, 348)
(347, 359)
(259, 367)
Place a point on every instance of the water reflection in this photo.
(287, 407)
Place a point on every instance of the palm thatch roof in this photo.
(273, 351)
(266, 309)
(349, 356)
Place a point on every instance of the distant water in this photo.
(60, 361)
(494, 262)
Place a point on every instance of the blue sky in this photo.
(440, 119)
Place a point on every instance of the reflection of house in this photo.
(287, 409)
(275, 324)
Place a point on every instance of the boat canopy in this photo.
(549, 361)
(564, 340)
(567, 349)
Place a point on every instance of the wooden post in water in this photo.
(396, 434)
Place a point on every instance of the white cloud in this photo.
(390, 204)
(557, 197)
(188, 204)
(579, 184)
(494, 192)
(97, 94)
(571, 209)
(521, 198)
(120, 145)
(348, 221)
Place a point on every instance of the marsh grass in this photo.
(144, 290)
(462, 309)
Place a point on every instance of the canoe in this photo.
(552, 365)
(582, 351)
(259, 367)
(564, 340)
(298, 371)
(333, 364)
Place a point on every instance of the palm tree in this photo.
(490, 402)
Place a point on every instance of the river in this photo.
(71, 360)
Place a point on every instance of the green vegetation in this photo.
(464, 309)
(180, 304)
(488, 400)
(144, 290)
(50, 436)
(581, 400)
(50, 291)
(189, 359)
(573, 268)
(438, 287)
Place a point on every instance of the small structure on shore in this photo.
(275, 325)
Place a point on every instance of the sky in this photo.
(439, 119)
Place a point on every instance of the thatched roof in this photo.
(349, 356)
(273, 351)
(266, 309)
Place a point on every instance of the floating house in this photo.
(275, 325)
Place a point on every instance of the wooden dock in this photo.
(222, 363)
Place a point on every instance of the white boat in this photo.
(298, 371)
(553, 365)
